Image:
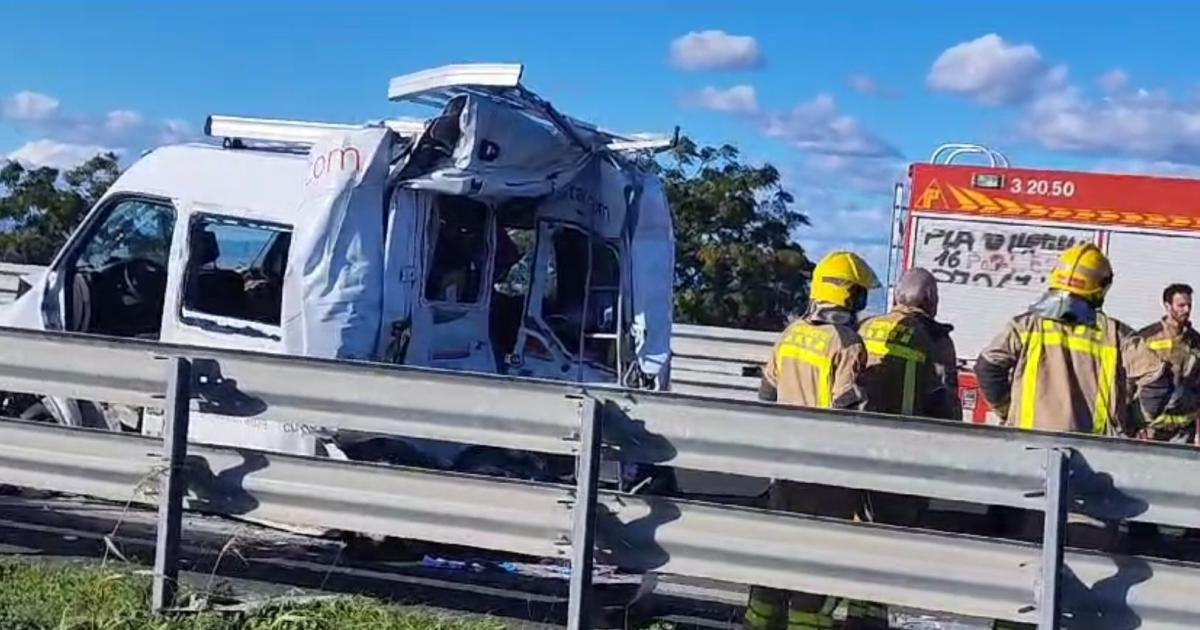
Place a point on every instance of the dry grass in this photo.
(115, 597)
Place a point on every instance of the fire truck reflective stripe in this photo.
(1161, 344)
(980, 199)
(1010, 207)
(963, 201)
(1105, 354)
(820, 362)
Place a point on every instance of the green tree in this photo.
(736, 263)
(40, 207)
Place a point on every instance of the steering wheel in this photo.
(139, 274)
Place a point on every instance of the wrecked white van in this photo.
(499, 236)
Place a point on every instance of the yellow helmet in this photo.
(836, 277)
(1083, 271)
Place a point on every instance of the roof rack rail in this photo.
(501, 82)
(236, 128)
(955, 149)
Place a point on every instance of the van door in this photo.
(408, 209)
(110, 279)
(450, 318)
(226, 292)
(573, 317)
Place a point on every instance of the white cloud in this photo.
(28, 106)
(1113, 81)
(739, 99)
(992, 71)
(818, 126)
(715, 50)
(1160, 168)
(42, 116)
(1109, 120)
(122, 120)
(1145, 124)
(60, 155)
(866, 175)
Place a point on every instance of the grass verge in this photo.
(38, 596)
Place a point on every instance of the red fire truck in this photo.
(991, 233)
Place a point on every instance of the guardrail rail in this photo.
(1103, 478)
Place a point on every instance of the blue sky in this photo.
(840, 98)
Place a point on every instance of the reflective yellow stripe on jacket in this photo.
(809, 345)
(884, 338)
(1080, 339)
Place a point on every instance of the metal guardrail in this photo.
(963, 574)
(722, 362)
(989, 465)
(945, 460)
(10, 279)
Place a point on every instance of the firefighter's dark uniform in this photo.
(911, 366)
(911, 370)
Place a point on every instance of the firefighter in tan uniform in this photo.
(817, 363)
(1066, 366)
(1175, 341)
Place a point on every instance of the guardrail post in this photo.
(583, 530)
(170, 500)
(1053, 537)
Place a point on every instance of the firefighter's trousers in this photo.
(775, 609)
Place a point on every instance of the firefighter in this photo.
(1057, 366)
(1065, 366)
(817, 363)
(911, 370)
(1175, 341)
(911, 364)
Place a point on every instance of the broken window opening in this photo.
(569, 291)
(460, 251)
(512, 274)
(117, 283)
(235, 268)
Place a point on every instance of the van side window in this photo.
(235, 268)
(118, 280)
(460, 251)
